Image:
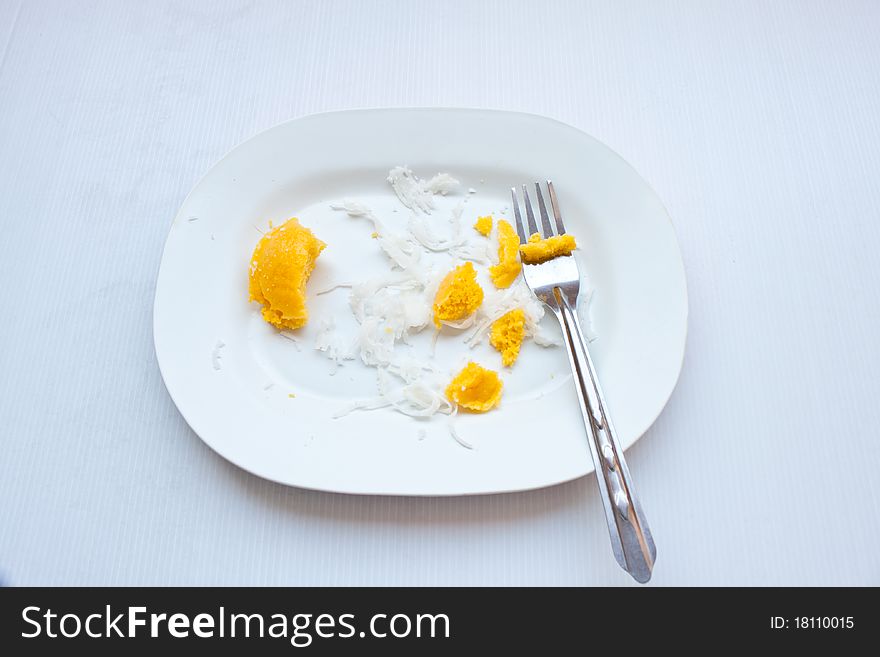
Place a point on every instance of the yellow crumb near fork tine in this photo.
(484, 225)
(508, 267)
(541, 250)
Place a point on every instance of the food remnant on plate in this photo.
(281, 265)
(475, 388)
(541, 250)
(215, 355)
(418, 194)
(508, 267)
(507, 335)
(484, 225)
(458, 295)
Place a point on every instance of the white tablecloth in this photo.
(757, 124)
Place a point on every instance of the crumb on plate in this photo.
(281, 265)
(508, 267)
(484, 225)
(458, 295)
(475, 388)
(507, 335)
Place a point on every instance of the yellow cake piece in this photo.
(458, 296)
(281, 265)
(507, 335)
(508, 267)
(475, 388)
(541, 250)
(484, 225)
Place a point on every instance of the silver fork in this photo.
(557, 283)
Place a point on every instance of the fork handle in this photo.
(631, 539)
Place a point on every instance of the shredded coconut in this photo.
(400, 250)
(453, 431)
(332, 344)
(289, 336)
(215, 355)
(330, 288)
(416, 399)
(456, 244)
(417, 194)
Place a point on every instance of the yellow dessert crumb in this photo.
(484, 225)
(281, 265)
(508, 267)
(291, 395)
(507, 335)
(458, 295)
(475, 388)
(374, 234)
(541, 250)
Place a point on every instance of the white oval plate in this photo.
(244, 411)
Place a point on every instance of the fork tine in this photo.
(518, 216)
(560, 227)
(545, 219)
(533, 227)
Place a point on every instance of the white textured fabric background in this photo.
(757, 124)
